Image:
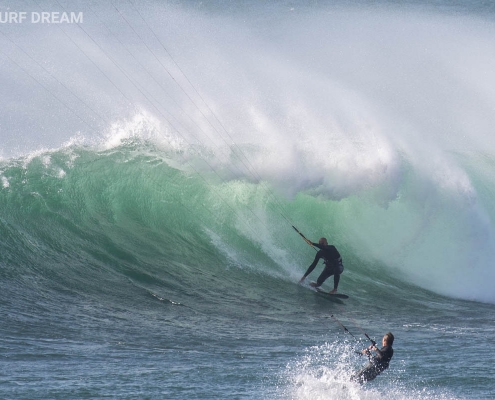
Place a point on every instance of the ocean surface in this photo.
(154, 157)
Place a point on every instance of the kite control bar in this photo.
(364, 333)
(368, 353)
(305, 238)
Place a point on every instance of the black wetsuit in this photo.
(376, 366)
(333, 264)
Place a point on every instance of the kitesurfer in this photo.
(332, 261)
(378, 363)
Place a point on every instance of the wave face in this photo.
(139, 201)
(154, 158)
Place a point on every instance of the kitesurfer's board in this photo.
(337, 295)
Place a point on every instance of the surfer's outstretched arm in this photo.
(311, 267)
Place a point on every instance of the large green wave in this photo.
(82, 217)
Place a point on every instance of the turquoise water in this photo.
(155, 157)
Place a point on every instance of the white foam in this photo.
(323, 372)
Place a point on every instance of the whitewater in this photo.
(154, 157)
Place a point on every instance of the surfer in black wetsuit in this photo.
(333, 264)
(378, 363)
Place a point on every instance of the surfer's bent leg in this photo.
(366, 374)
(326, 273)
(336, 279)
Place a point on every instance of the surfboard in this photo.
(336, 295)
